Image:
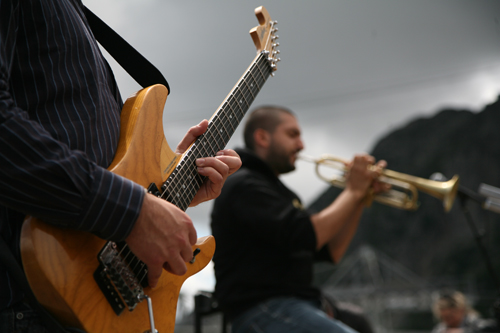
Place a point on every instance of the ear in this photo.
(262, 138)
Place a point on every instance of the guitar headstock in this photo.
(264, 36)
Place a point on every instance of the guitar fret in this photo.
(260, 71)
(238, 104)
(224, 123)
(232, 102)
(249, 97)
(247, 93)
(252, 86)
(214, 139)
(243, 99)
(202, 146)
(189, 189)
(256, 85)
(203, 151)
(253, 97)
(213, 128)
(233, 119)
(228, 121)
(181, 198)
(233, 112)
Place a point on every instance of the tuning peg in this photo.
(276, 45)
(275, 22)
(275, 37)
(275, 30)
(276, 52)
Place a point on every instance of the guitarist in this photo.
(59, 127)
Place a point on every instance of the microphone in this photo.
(488, 197)
(492, 195)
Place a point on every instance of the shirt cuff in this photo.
(114, 206)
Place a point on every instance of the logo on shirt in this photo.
(297, 204)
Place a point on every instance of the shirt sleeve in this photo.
(42, 177)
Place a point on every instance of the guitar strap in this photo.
(144, 73)
(134, 63)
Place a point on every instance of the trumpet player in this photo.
(267, 242)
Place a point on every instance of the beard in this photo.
(280, 160)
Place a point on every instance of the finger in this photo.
(191, 135)
(368, 159)
(192, 235)
(187, 254)
(381, 164)
(176, 265)
(378, 168)
(362, 160)
(231, 159)
(214, 177)
(154, 273)
(228, 152)
(213, 168)
(379, 187)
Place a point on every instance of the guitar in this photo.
(98, 285)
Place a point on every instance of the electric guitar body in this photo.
(98, 285)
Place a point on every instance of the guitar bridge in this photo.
(121, 276)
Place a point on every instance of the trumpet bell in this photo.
(445, 191)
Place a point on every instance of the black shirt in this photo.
(266, 245)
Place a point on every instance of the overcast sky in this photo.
(351, 70)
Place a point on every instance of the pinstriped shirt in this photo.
(59, 128)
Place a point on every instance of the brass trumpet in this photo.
(404, 198)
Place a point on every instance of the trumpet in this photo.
(404, 189)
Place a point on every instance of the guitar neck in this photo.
(184, 182)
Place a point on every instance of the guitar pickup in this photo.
(153, 189)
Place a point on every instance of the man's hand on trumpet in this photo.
(336, 224)
(362, 178)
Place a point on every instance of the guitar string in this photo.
(130, 262)
(138, 263)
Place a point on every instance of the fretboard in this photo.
(185, 181)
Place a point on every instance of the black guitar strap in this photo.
(146, 74)
(134, 63)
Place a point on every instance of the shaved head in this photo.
(264, 117)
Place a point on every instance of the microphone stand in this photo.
(465, 194)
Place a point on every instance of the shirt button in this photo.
(19, 315)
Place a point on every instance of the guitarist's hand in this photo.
(215, 168)
(162, 238)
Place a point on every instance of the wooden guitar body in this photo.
(60, 263)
